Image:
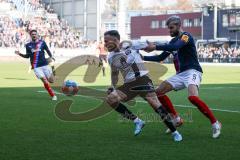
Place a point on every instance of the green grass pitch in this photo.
(29, 129)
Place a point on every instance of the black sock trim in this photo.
(122, 109)
(166, 118)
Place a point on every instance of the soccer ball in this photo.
(70, 88)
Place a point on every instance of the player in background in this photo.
(102, 57)
(35, 51)
(128, 61)
(188, 71)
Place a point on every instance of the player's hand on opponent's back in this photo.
(151, 47)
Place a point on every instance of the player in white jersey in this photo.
(127, 60)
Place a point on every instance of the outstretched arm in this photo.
(157, 58)
(174, 45)
(171, 46)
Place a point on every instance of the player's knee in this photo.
(193, 90)
(44, 80)
(159, 93)
(51, 79)
(164, 88)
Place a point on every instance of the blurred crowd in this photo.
(55, 31)
(218, 52)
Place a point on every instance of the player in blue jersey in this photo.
(188, 71)
(35, 51)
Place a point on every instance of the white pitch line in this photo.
(58, 93)
(210, 88)
(178, 105)
(214, 109)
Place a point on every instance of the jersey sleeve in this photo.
(138, 45)
(157, 58)
(175, 45)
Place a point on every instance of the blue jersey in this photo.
(35, 51)
(183, 50)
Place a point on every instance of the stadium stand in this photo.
(17, 18)
(219, 54)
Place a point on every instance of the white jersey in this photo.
(128, 61)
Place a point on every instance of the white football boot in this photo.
(216, 128)
(54, 98)
(177, 137)
(139, 124)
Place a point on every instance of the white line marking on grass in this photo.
(214, 109)
(58, 93)
(211, 88)
(178, 105)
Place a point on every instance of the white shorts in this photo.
(184, 79)
(43, 72)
